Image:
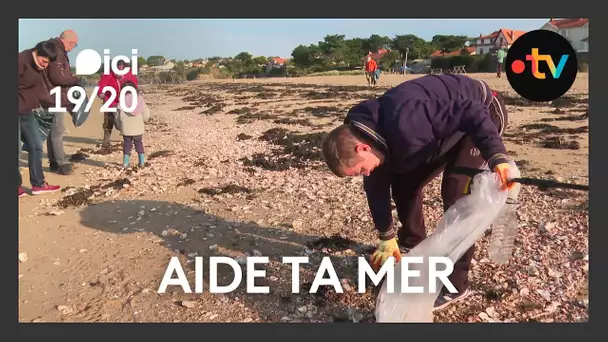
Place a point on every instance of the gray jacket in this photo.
(130, 124)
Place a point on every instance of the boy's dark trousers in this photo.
(498, 69)
(129, 141)
(109, 119)
(408, 196)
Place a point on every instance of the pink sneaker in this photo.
(22, 192)
(46, 188)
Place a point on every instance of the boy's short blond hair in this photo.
(339, 148)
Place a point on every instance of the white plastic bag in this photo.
(462, 224)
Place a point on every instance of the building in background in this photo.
(575, 30)
(501, 38)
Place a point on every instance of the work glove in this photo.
(385, 249)
(506, 172)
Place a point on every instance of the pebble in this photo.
(545, 294)
(257, 253)
(532, 270)
(492, 312)
(64, 309)
(213, 247)
(188, 303)
(23, 257)
(554, 274)
(524, 292)
(297, 224)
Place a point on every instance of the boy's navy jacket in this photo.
(412, 122)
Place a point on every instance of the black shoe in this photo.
(65, 169)
(53, 166)
(445, 299)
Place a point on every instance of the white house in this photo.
(501, 38)
(168, 65)
(575, 30)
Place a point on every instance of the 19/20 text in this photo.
(75, 96)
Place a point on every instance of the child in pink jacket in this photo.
(131, 125)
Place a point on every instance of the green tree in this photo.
(260, 60)
(155, 60)
(141, 61)
(390, 60)
(245, 58)
(355, 50)
(302, 56)
(333, 47)
(416, 45)
(448, 43)
(376, 42)
(180, 68)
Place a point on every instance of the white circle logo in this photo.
(88, 62)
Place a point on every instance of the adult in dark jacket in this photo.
(34, 94)
(60, 74)
(407, 137)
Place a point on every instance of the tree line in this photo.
(334, 52)
(337, 51)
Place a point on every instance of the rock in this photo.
(546, 227)
(577, 255)
(257, 253)
(554, 274)
(524, 292)
(213, 247)
(297, 224)
(532, 270)
(492, 312)
(64, 309)
(188, 303)
(23, 257)
(552, 307)
(545, 294)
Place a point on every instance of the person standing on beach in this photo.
(370, 71)
(34, 95)
(500, 58)
(60, 74)
(116, 82)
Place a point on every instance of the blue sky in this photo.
(199, 38)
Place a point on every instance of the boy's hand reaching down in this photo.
(385, 249)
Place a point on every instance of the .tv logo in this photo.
(535, 55)
(88, 62)
(518, 66)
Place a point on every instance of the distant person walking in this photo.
(60, 74)
(500, 58)
(34, 96)
(370, 71)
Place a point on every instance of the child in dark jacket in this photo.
(131, 124)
